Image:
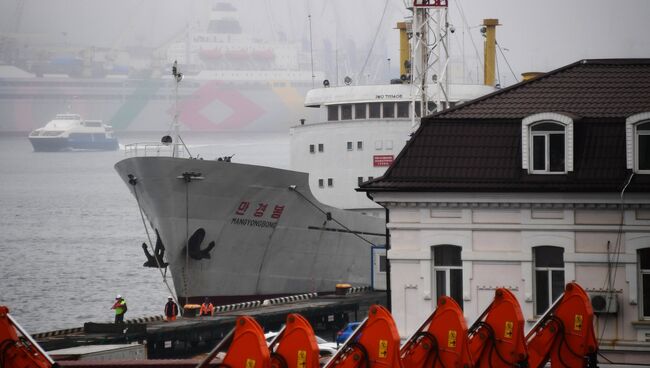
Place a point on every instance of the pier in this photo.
(189, 336)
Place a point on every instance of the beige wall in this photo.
(496, 250)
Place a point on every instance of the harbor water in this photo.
(71, 233)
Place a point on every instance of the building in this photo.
(530, 187)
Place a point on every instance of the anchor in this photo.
(194, 246)
(158, 253)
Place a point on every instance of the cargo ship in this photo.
(233, 231)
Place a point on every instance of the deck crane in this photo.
(375, 343)
(17, 348)
(564, 335)
(441, 341)
(497, 338)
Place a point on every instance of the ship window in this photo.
(549, 276)
(548, 147)
(403, 109)
(359, 111)
(388, 144)
(330, 182)
(349, 146)
(359, 145)
(378, 145)
(320, 183)
(359, 180)
(374, 110)
(370, 178)
(312, 148)
(346, 112)
(644, 280)
(389, 110)
(448, 272)
(321, 147)
(332, 113)
(643, 146)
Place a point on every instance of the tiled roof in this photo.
(588, 88)
(476, 147)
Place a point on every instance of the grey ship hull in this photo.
(269, 239)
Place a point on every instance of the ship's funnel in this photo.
(489, 30)
(530, 75)
(404, 49)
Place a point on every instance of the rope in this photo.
(133, 181)
(506, 60)
(329, 215)
(187, 236)
(372, 46)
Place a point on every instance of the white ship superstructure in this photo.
(360, 131)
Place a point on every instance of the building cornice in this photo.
(514, 205)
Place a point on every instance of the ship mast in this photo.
(429, 55)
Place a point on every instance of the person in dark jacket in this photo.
(171, 309)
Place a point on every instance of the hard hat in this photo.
(170, 297)
(118, 296)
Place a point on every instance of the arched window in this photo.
(448, 272)
(548, 147)
(547, 143)
(549, 276)
(644, 281)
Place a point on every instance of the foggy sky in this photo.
(535, 35)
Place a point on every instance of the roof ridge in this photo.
(583, 62)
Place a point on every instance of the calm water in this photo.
(71, 234)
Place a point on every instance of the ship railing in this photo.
(153, 149)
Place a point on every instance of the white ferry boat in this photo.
(233, 231)
(71, 132)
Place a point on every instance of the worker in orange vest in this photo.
(207, 309)
(171, 309)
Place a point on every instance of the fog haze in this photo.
(534, 36)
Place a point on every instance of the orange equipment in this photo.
(295, 346)
(247, 346)
(441, 341)
(564, 334)
(375, 343)
(19, 351)
(496, 339)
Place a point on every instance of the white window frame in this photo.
(631, 141)
(549, 275)
(527, 140)
(447, 271)
(641, 272)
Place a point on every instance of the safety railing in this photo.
(146, 149)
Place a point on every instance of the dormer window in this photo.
(547, 143)
(638, 142)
